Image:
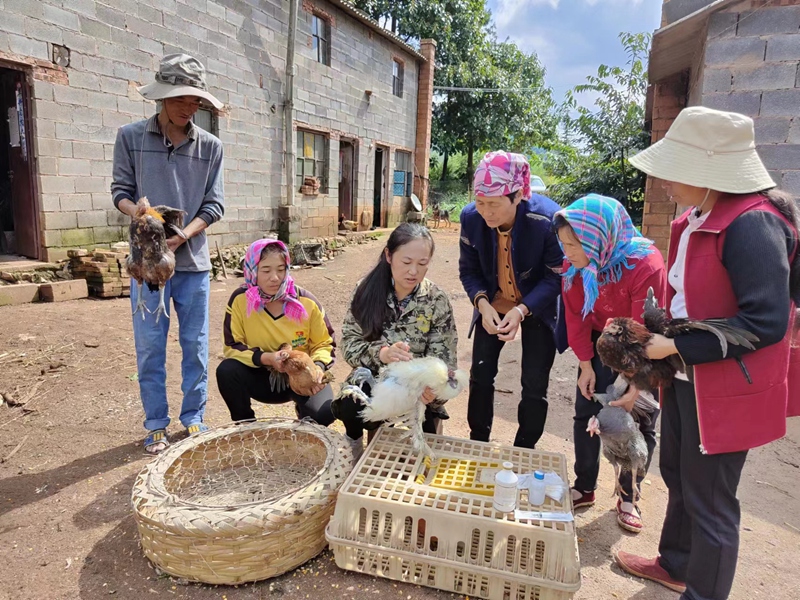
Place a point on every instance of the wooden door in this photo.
(26, 219)
(346, 180)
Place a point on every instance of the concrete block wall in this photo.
(332, 100)
(116, 45)
(752, 66)
(750, 63)
(674, 10)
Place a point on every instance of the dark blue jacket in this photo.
(535, 254)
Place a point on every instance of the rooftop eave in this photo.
(675, 46)
(365, 19)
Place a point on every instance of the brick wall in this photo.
(424, 109)
(669, 97)
(116, 45)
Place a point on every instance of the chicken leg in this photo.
(161, 309)
(140, 305)
(618, 491)
(418, 437)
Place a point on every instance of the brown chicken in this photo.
(150, 260)
(622, 344)
(302, 372)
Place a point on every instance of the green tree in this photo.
(469, 56)
(596, 143)
(516, 119)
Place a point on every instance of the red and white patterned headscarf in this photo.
(256, 297)
(502, 173)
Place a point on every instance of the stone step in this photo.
(21, 293)
(61, 291)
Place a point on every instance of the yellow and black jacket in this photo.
(246, 338)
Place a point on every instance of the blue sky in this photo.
(573, 37)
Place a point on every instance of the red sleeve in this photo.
(579, 330)
(648, 273)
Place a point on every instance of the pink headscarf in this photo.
(256, 298)
(502, 173)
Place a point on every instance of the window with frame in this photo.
(397, 78)
(205, 118)
(321, 39)
(403, 182)
(312, 159)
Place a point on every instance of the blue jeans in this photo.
(190, 295)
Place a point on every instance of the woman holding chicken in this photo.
(397, 314)
(608, 269)
(263, 315)
(733, 255)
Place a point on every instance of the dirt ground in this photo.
(68, 461)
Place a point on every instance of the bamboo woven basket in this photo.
(241, 503)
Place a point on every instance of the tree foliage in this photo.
(468, 55)
(596, 143)
(472, 121)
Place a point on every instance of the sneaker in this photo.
(357, 446)
(586, 500)
(647, 568)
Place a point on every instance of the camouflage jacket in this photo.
(427, 324)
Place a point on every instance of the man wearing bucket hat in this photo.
(732, 255)
(169, 160)
(509, 265)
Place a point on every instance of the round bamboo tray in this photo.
(241, 502)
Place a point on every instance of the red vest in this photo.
(734, 414)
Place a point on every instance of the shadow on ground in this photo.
(25, 489)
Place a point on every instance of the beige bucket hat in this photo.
(179, 75)
(708, 148)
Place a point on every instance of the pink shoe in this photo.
(629, 521)
(647, 568)
(586, 499)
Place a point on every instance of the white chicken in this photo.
(397, 391)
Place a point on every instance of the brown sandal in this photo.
(629, 521)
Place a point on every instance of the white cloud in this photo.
(508, 12)
(573, 37)
(594, 2)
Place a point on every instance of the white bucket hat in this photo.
(708, 148)
(179, 75)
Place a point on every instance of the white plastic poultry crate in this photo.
(399, 516)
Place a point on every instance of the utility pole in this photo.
(288, 108)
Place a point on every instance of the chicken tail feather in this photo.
(651, 304)
(726, 334)
(646, 402)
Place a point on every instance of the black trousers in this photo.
(587, 447)
(238, 383)
(700, 538)
(538, 354)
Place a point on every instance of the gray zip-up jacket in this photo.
(187, 177)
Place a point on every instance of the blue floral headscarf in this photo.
(609, 239)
